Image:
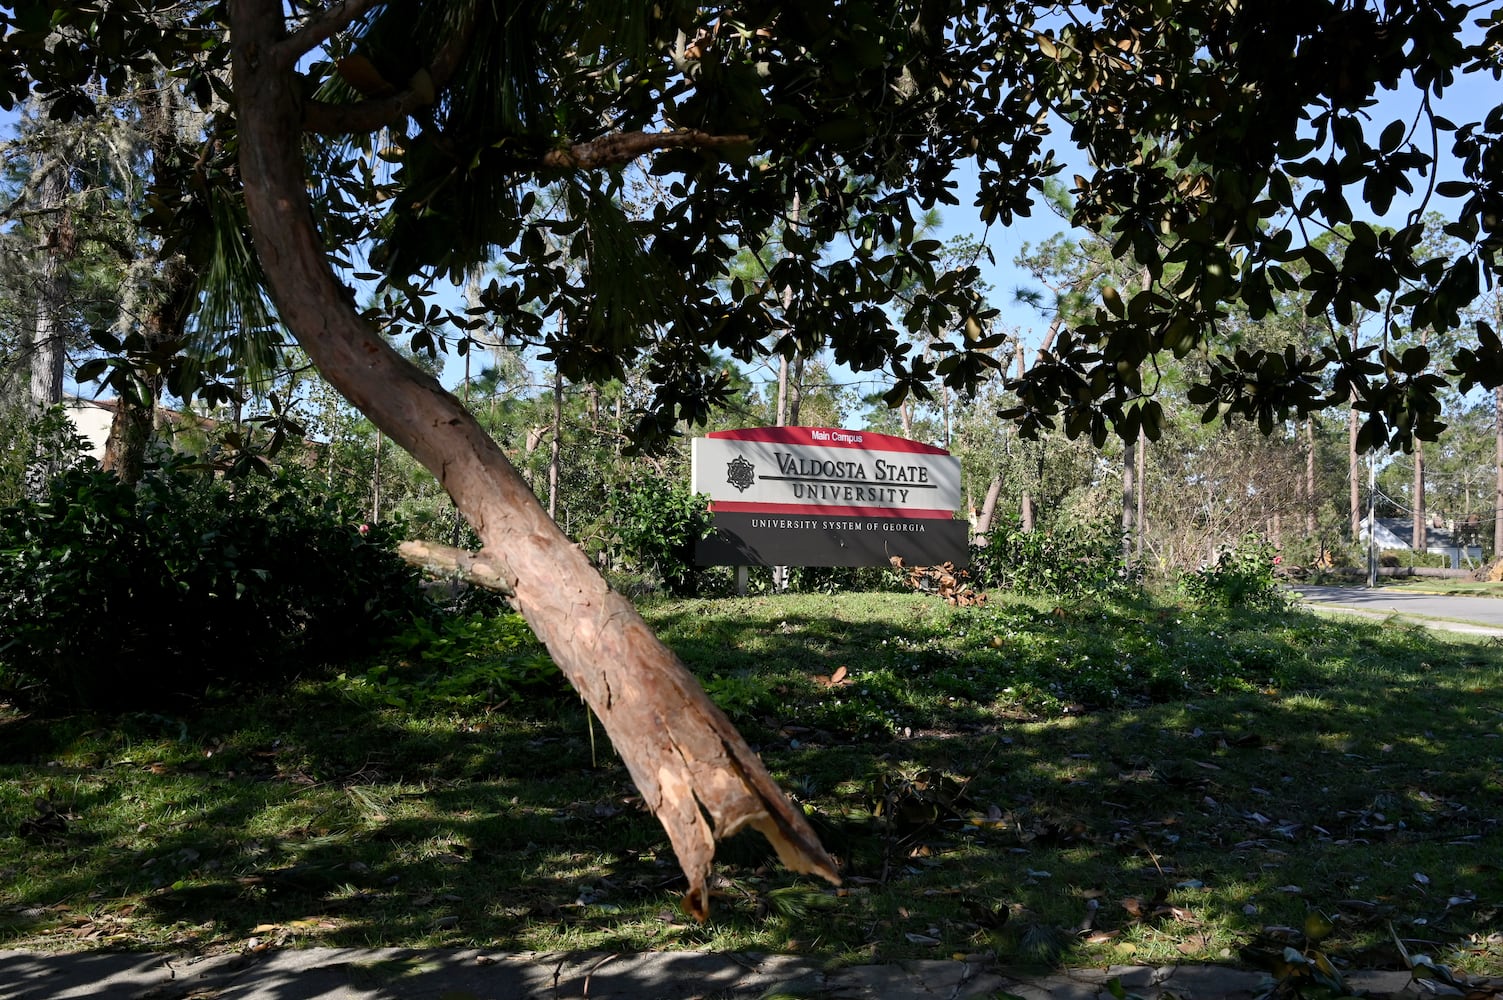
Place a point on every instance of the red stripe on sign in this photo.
(891, 513)
(833, 438)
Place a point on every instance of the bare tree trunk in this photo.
(784, 383)
(1498, 444)
(988, 509)
(376, 479)
(1142, 519)
(944, 406)
(1420, 541)
(47, 349)
(554, 447)
(42, 347)
(1498, 483)
(1354, 471)
(694, 770)
(1311, 502)
(781, 417)
(1129, 497)
(1420, 536)
(796, 390)
(1025, 500)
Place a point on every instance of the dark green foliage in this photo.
(1241, 577)
(113, 597)
(49, 440)
(1069, 561)
(849, 579)
(658, 523)
(466, 661)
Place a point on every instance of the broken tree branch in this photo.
(445, 560)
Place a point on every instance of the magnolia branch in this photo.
(622, 148)
(320, 28)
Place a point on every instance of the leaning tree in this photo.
(405, 141)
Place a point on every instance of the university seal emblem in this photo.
(739, 473)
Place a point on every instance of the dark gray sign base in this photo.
(829, 540)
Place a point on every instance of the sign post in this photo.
(821, 496)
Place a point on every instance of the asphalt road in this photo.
(1487, 611)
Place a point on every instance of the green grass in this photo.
(1133, 782)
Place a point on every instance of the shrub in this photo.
(31, 444)
(115, 597)
(1241, 577)
(849, 579)
(658, 524)
(1068, 561)
(464, 661)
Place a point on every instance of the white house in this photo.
(91, 418)
(1398, 532)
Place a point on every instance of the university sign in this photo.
(820, 496)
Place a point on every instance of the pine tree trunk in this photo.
(1498, 481)
(796, 390)
(1419, 538)
(1025, 502)
(1354, 471)
(988, 509)
(1141, 522)
(781, 417)
(555, 448)
(1311, 502)
(47, 350)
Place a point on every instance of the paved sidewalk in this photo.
(400, 974)
(1444, 612)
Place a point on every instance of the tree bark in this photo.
(1311, 503)
(1420, 535)
(780, 417)
(555, 447)
(1025, 500)
(796, 391)
(694, 770)
(1140, 525)
(784, 387)
(988, 509)
(1354, 472)
(169, 305)
(134, 422)
(1498, 482)
(47, 350)
(1129, 496)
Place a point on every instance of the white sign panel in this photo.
(822, 469)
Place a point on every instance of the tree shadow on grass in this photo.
(1183, 827)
